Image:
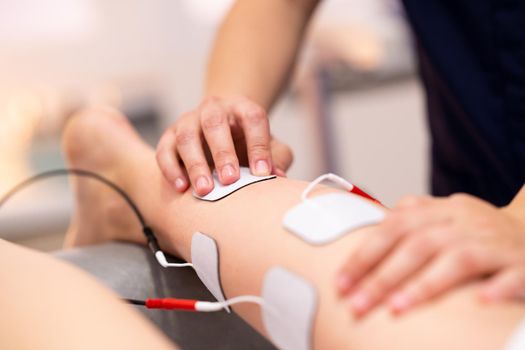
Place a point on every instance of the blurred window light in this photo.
(207, 11)
(33, 21)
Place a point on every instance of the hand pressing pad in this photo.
(220, 191)
(323, 219)
(205, 259)
(289, 309)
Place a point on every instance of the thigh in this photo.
(48, 304)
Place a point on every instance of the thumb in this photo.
(282, 156)
(507, 284)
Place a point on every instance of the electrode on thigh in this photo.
(205, 259)
(289, 309)
(325, 218)
(220, 191)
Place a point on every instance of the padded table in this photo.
(132, 272)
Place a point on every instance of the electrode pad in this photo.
(323, 219)
(220, 191)
(517, 340)
(205, 259)
(289, 309)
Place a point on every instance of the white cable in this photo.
(210, 306)
(326, 177)
(161, 258)
(244, 299)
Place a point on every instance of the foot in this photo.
(97, 140)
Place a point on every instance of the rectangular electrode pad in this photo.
(325, 218)
(205, 259)
(220, 191)
(517, 340)
(289, 309)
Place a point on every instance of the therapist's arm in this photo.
(256, 47)
(249, 66)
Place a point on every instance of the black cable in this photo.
(148, 232)
(136, 302)
(80, 173)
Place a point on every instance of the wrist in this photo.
(516, 207)
(516, 212)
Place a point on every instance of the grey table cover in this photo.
(131, 271)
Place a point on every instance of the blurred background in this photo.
(354, 106)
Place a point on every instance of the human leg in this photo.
(47, 304)
(248, 229)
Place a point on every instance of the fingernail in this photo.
(359, 302)
(227, 172)
(400, 303)
(262, 168)
(343, 283)
(180, 183)
(202, 182)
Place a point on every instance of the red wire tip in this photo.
(356, 190)
(171, 304)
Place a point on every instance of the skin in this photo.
(426, 246)
(48, 304)
(423, 249)
(248, 68)
(251, 243)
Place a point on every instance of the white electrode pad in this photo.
(289, 309)
(220, 191)
(517, 340)
(323, 219)
(205, 259)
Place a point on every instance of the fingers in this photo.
(409, 257)
(395, 226)
(445, 272)
(168, 162)
(216, 130)
(413, 213)
(190, 150)
(213, 120)
(507, 284)
(363, 259)
(257, 132)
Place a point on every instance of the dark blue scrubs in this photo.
(472, 62)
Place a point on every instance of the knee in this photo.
(86, 122)
(96, 112)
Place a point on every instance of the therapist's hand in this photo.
(225, 132)
(426, 246)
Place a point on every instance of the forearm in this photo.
(517, 205)
(256, 47)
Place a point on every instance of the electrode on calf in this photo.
(220, 191)
(288, 302)
(289, 308)
(325, 218)
(205, 260)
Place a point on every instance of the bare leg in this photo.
(47, 304)
(248, 229)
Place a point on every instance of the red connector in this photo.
(356, 190)
(171, 304)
